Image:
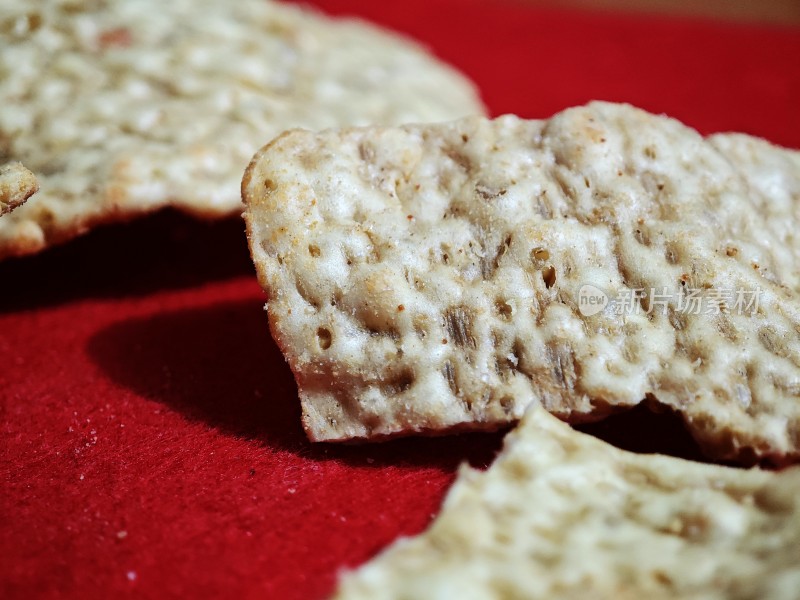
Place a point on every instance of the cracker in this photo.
(435, 277)
(122, 108)
(17, 184)
(563, 515)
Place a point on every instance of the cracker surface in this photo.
(439, 277)
(17, 184)
(563, 515)
(121, 108)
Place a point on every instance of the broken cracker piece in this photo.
(123, 108)
(17, 184)
(437, 277)
(561, 514)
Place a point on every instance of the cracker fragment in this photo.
(17, 184)
(429, 278)
(561, 514)
(122, 108)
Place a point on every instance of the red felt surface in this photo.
(150, 441)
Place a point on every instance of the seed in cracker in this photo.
(17, 184)
(563, 515)
(588, 262)
(122, 108)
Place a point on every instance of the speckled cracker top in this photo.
(562, 515)
(120, 108)
(436, 277)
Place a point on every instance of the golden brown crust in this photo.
(17, 184)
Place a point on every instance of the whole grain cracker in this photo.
(17, 184)
(122, 108)
(429, 278)
(563, 515)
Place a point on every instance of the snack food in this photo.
(121, 108)
(438, 277)
(563, 515)
(17, 184)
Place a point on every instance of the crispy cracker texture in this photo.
(429, 278)
(121, 108)
(563, 515)
(17, 184)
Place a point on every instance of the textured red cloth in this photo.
(151, 444)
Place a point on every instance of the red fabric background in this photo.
(151, 444)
